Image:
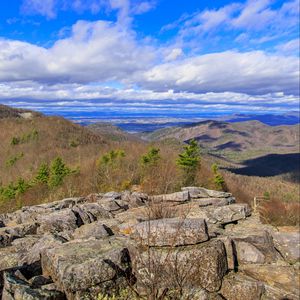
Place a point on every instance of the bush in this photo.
(58, 171)
(218, 179)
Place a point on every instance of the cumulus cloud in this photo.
(251, 72)
(95, 51)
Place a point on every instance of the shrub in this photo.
(12, 160)
(218, 179)
(43, 174)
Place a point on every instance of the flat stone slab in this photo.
(174, 197)
(288, 244)
(171, 232)
(229, 213)
(199, 192)
(82, 265)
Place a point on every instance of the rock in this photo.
(8, 234)
(200, 266)
(228, 214)
(112, 195)
(174, 197)
(254, 247)
(112, 205)
(18, 289)
(288, 244)
(96, 230)
(284, 278)
(171, 232)
(214, 201)
(10, 257)
(81, 266)
(198, 192)
(230, 252)
(58, 221)
(134, 199)
(237, 287)
(48, 241)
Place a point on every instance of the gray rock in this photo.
(174, 197)
(96, 230)
(200, 266)
(78, 266)
(237, 287)
(18, 289)
(288, 244)
(171, 232)
(57, 221)
(228, 214)
(199, 192)
(214, 201)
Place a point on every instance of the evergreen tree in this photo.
(151, 157)
(58, 171)
(218, 178)
(189, 162)
(43, 174)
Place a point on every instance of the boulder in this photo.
(198, 192)
(214, 201)
(96, 230)
(284, 278)
(57, 221)
(237, 287)
(16, 288)
(174, 197)
(90, 266)
(171, 232)
(288, 244)
(200, 266)
(228, 214)
(8, 234)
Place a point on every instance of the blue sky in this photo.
(163, 57)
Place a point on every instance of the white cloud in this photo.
(46, 8)
(251, 72)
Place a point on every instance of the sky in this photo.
(154, 58)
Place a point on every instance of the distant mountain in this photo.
(10, 112)
(291, 118)
(111, 132)
(219, 136)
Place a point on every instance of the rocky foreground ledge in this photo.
(197, 241)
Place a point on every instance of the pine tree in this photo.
(151, 157)
(58, 171)
(43, 174)
(218, 179)
(189, 162)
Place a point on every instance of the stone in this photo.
(288, 244)
(284, 278)
(171, 232)
(254, 247)
(228, 214)
(9, 234)
(79, 266)
(237, 287)
(198, 192)
(200, 266)
(230, 252)
(96, 230)
(111, 205)
(57, 221)
(174, 197)
(17, 289)
(203, 202)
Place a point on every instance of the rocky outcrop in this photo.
(193, 244)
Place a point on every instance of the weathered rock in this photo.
(228, 214)
(288, 244)
(17, 289)
(82, 265)
(58, 221)
(134, 199)
(202, 265)
(237, 287)
(96, 230)
(112, 205)
(230, 252)
(171, 232)
(198, 192)
(254, 247)
(174, 197)
(214, 201)
(285, 278)
(8, 234)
